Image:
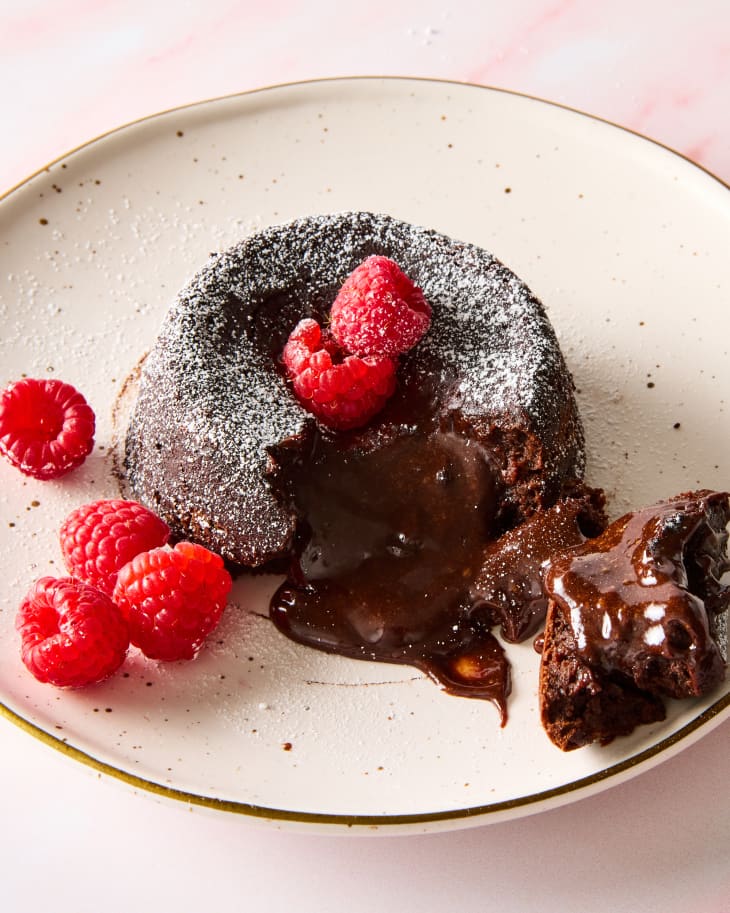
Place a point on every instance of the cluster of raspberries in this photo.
(126, 585)
(345, 374)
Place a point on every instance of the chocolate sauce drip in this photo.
(401, 552)
(508, 583)
(643, 598)
(392, 539)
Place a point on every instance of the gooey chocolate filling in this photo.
(401, 554)
(391, 540)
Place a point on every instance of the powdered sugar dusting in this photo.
(212, 403)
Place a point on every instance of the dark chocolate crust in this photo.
(214, 414)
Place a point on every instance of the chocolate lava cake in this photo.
(383, 528)
(633, 618)
(214, 412)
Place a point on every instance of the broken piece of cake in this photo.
(633, 617)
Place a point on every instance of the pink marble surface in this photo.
(72, 69)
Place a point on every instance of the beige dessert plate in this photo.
(624, 241)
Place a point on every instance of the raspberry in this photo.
(378, 310)
(46, 427)
(172, 599)
(342, 391)
(71, 633)
(99, 538)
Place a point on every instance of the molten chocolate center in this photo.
(391, 539)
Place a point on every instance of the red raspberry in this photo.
(172, 598)
(46, 427)
(343, 393)
(71, 633)
(378, 310)
(99, 538)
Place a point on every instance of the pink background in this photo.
(73, 841)
(72, 69)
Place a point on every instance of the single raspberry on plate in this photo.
(172, 599)
(343, 391)
(46, 427)
(71, 633)
(378, 310)
(99, 538)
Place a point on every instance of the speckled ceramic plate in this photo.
(625, 242)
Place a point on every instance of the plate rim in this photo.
(712, 716)
(358, 78)
(549, 798)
